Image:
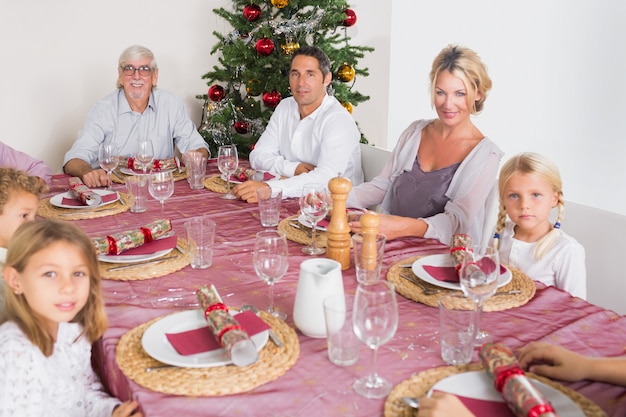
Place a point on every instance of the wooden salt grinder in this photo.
(369, 230)
(338, 231)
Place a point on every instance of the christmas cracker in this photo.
(119, 242)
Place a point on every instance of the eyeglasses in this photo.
(144, 70)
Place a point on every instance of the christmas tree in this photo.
(254, 61)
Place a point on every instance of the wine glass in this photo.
(479, 274)
(161, 186)
(109, 159)
(375, 321)
(144, 154)
(271, 260)
(227, 162)
(314, 204)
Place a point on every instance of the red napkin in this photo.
(448, 273)
(68, 201)
(202, 340)
(151, 247)
(486, 408)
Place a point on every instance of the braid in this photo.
(545, 243)
(499, 225)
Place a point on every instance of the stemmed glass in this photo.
(314, 204)
(227, 162)
(271, 261)
(144, 154)
(109, 159)
(161, 186)
(375, 320)
(479, 274)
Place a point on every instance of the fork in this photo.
(425, 290)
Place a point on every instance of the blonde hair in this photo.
(466, 65)
(541, 167)
(32, 237)
(13, 180)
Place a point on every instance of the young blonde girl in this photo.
(55, 313)
(530, 187)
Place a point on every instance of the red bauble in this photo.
(264, 46)
(251, 12)
(271, 98)
(241, 127)
(216, 92)
(350, 17)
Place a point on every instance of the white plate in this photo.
(477, 384)
(126, 259)
(129, 171)
(446, 260)
(155, 343)
(57, 200)
(304, 222)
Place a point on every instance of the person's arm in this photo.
(91, 177)
(559, 363)
(441, 404)
(13, 158)
(394, 227)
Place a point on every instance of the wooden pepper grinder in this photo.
(369, 230)
(338, 231)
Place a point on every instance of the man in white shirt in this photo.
(135, 110)
(310, 137)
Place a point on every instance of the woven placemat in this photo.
(120, 178)
(520, 282)
(301, 234)
(216, 184)
(138, 272)
(49, 211)
(222, 380)
(418, 385)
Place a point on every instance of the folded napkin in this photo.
(77, 203)
(245, 174)
(521, 396)
(157, 164)
(83, 193)
(448, 273)
(486, 408)
(228, 332)
(202, 339)
(117, 243)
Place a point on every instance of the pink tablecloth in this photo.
(314, 386)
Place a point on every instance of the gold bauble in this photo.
(254, 87)
(345, 73)
(289, 47)
(279, 4)
(347, 105)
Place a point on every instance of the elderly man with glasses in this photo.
(136, 110)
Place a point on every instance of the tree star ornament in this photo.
(264, 46)
(271, 98)
(216, 92)
(280, 4)
(252, 12)
(350, 19)
(345, 73)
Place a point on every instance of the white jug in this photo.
(319, 278)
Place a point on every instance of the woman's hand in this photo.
(127, 409)
(394, 227)
(553, 361)
(442, 404)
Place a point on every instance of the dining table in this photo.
(307, 384)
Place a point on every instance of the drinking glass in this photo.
(479, 274)
(144, 154)
(227, 162)
(314, 204)
(109, 159)
(375, 321)
(271, 261)
(161, 186)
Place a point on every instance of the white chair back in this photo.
(491, 216)
(373, 160)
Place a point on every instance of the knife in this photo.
(154, 261)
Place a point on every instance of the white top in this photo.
(563, 266)
(63, 384)
(327, 138)
(165, 121)
(468, 190)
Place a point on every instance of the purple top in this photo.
(421, 194)
(11, 158)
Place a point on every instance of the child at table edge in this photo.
(54, 313)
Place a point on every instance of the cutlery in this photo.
(159, 367)
(512, 292)
(299, 226)
(118, 176)
(412, 402)
(426, 291)
(154, 261)
(406, 266)
(273, 335)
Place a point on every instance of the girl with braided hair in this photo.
(530, 187)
